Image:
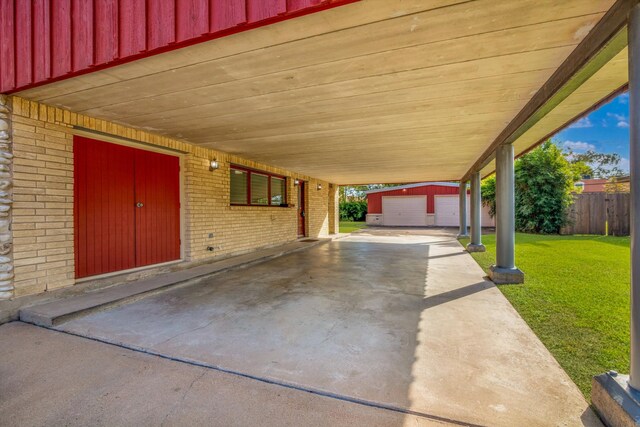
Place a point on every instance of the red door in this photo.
(157, 192)
(301, 212)
(111, 232)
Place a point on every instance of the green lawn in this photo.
(349, 226)
(575, 298)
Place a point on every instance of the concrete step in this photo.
(59, 311)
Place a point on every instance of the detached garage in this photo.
(415, 205)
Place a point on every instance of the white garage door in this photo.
(404, 211)
(447, 209)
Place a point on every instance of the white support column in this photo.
(463, 210)
(505, 271)
(634, 160)
(476, 216)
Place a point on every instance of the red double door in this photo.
(126, 207)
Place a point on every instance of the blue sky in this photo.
(605, 130)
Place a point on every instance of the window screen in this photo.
(239, 187)
(277, 191)
(259, 189)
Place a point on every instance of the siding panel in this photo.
(106, 30)
(63, 38)
(258, 10)
(133, 37)
(41, 43)
(24, 56)
(192, 19)
(160, 23)
(82, 17)
(7, 45)
(60, 37)
(226, 14)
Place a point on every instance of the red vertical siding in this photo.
(258, 10)
(132, 38)
(24, 56)
(192, 19)
(7, 46)
(301, 4)
(106, 31)
(374, 200)
(227, 14)
(60, 12)
(82, 34)
(41, 44)
(48, 40)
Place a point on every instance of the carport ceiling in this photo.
(375, 91)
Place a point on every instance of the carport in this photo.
(313, 94)
(399, 320)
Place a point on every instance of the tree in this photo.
(543, 183)
(488, 192)
(594, 164)
(353, 211)
(351, 193)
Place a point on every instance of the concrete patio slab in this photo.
(54, 312)
(49, 378)
(397, 318)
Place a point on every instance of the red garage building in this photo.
(421, 204)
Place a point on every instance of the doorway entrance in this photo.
(302, 228)
(126, 207)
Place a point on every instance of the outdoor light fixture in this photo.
(214, 165)
(296, 182)
(319, 187)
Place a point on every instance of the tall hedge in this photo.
(543, 183)
(353, 211)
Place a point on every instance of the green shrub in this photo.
(353, 211)
(543, 184)
(544, 180)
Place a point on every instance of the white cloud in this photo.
(582, 123)
(621, 121)
(624, 98)
(624, 164)
(578, 146)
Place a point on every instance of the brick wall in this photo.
(43, 198)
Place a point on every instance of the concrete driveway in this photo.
(387, 318)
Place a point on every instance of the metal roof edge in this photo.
(420, 184)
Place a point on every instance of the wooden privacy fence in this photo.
(599, 213)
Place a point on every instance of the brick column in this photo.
(334, 216)
(6, 261)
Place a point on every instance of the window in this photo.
(259, 189)
(239, 187)
(256, 188)
(277, 191)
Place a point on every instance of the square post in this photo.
(463, 210)
(634, 166)
(476, 215)
(616, 397)
(505, 271)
